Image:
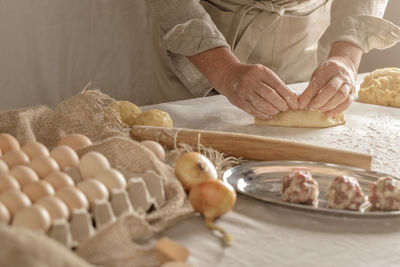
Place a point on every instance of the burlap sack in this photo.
(89, 113)
(22, 248)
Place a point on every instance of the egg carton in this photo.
(141, 195)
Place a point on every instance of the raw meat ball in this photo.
(345, 193)
(385, 194)
(300, 187)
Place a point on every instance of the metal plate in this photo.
(263, 181)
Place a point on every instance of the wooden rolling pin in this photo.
(251, 147)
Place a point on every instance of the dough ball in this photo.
(300, 187)
(344, 192)
(303, 118)
(154, 117)
(385, 194)
(128, 111)
(381, 87)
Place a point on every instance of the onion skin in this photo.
(213, 198)
(193, 168)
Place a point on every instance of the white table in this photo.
(269, 235)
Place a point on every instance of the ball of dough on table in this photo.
(381, 87)
(300, 187)
(344, 192)
(128, 111)
(154, 117)
(303, 118)
(385, 194)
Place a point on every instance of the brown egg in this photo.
(24, 175)
(3, 166)
(92, 163)
(112, 179)
(15, 200)
(37, 190)
(65, 157)
(8, 142)
(15, 157)
(59, 180)
(93, 190)
(73, 198)
(55, 206)
(156, 148)
(35, 149)
(5, 215)
(34, 217)
(75, 141)
(7, 182)
(44, 165)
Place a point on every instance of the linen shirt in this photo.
(183, 28)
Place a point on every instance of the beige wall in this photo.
(389, 57)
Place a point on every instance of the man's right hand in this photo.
(256, 89)
(251, 87)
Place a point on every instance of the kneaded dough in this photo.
(154, 117)
(128, 111)
(303, 118)
(381, 87)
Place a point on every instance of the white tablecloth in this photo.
(269, 235)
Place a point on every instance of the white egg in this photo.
(73, 198)
(15, 200)
(15, 157)
(112, 179)
(8, 182)
(92, 163)
(44, 165)
(65, 157)
(3, 166)
(55, 206)
(8, 142)
(37, 190)
(59, 180)
(34, 217)
(5, 215)
(75, 141)
(24, 175)
(156, 148)
(93, 190)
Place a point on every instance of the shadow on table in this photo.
(309, 221)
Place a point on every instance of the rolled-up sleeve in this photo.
(359, 22)
(186, 29)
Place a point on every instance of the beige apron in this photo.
(274, 33)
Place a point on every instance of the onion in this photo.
(193, 168)
(212, 198)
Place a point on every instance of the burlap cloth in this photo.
(89, 113)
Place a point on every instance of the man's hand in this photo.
(251, 87)
(255, 89)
